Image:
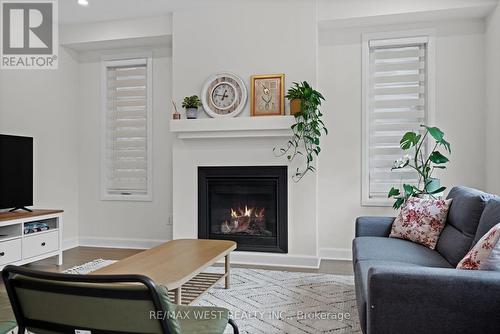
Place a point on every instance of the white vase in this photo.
(191, 113)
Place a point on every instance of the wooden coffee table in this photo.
(178, 264)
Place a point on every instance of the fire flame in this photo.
(247, 212)
(244, 220)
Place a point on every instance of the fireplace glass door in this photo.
(244, 204)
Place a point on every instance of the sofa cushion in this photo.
(489, 218)
(463, 218)
(396, 250)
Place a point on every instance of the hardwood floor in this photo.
(80, 255)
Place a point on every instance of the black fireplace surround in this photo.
(246, 204)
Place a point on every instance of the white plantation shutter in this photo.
(127, 118)
(396, 102)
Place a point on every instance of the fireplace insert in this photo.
(246, 204)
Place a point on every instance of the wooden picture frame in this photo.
(267, 95)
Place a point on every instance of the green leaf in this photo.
(446, 145)
(398, 203)
(436, 133)
(393, 192)
(438, 158)
(440, 167)
(409, 140)
(409, 190)
(437, 190)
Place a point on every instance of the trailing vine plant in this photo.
(307, 129)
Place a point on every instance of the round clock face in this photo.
(224, 95)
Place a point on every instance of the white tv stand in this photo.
(18, 248)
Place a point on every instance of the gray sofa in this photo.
(403, 287)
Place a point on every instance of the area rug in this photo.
(281, 302)
(89, 267)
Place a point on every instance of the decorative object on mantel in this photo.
(224, 95)
(307, 129)
(267, 95)
(176, 114)
(191, 104)
(295, 95)
(424, 164)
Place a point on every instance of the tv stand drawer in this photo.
(10, 251)
(38, 244)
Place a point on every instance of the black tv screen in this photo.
(16, 171)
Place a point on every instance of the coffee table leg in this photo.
(178, 295)
(228, 272)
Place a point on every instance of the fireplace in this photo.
(246, 204)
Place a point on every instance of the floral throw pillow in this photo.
(485, 254)
(421, 221)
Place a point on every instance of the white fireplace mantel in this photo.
(238, 127)
(212, 142)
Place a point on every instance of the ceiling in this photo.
(102, 10)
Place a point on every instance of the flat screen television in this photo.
(16, 172)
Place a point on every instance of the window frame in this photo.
(390, 38)
(123, 60)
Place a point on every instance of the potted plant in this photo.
(307, 129)
(191, 104)
(295, 95)
(424, 164)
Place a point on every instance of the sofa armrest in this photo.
(373, 226)
(414, 300)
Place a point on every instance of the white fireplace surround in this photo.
(243, 141)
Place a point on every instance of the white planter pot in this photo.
(192, 113)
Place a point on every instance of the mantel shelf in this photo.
(238, 127)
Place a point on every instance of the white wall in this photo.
(460, 84)
(124, 223)
(44, 104)
(244, 37)
(493, 102)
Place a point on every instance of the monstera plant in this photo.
(423, 163)
(307, 129)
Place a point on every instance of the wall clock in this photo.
(224, 95)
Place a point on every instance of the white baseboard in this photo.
(335, 254)
(70, 243)
(119, 243)
(275, 260)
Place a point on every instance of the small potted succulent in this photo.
(191, 104)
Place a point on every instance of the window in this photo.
(396, 99)
(126, 140)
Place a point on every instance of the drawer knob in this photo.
(43, 243)
(2, 253)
